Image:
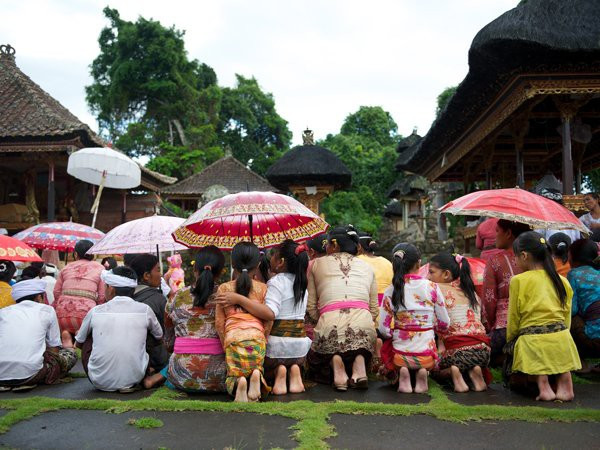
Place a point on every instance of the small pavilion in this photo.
(225, 176)
(529, 105)
(37, 135)
(310, 172)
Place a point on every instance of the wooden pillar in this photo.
(405, 212)
(124, 209)
(567, 158)
(440, 200)
(51, 193)
(519, 162)
(488, 180)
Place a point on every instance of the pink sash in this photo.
(346, 304)
(379, 299)
(200, 346)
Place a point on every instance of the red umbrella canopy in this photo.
(517, 205)
(61, 236)
(265, 218)
(12, 249)
(477, 269)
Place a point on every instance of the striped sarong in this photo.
(243, 358)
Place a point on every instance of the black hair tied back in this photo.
(296, 262)
(459, 267)
(245, 257)
(208, 266)
(405, 257)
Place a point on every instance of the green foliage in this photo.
(250, 125)
(146, 422)
(443, 99)
(181, 162)
(592, 181)
(371, 122)
(344, 207)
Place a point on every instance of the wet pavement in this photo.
(425, 432)
(68, 429)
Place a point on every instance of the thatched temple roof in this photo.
(537, 36)
(308, 165)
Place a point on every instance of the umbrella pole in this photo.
(250, 221)
(96, 204)
(158, 255)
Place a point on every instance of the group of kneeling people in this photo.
(313, 310)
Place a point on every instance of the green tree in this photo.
(371, 122)
(592, 181)
(443, 99)
(251, 126)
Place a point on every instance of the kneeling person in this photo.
(31, 351)
(118, 329)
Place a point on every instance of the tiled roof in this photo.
(227, 172)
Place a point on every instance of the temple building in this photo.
(37, 135)
(310, 172)
(529, 105)
(225, 176)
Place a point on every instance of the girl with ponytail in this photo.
(381, 266)
(198, 360)
(243, 321)
(287, 295)
(466, 349)
(412, 308)
(539, 316)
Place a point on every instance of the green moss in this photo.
(146, 422)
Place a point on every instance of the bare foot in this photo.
(421, 386)
(280, 386)
(359, 369)
(564, 387)
(546, 392)
(476, 376)
(458, 381)
(254, 389)
(67, 339)
(340, 378)
(241, 392)
(404, 385)
(296, 385)
(153, 380)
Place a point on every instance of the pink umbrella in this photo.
(146, 235)
(61, 236)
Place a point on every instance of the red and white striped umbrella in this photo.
(61, 236)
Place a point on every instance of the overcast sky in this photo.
(320, 59)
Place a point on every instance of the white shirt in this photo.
(25, 330)
(573, 234)
(588, 220)
(280, 300)
(50, 283)
(119, 328)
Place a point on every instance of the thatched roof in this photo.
(537, 36)
(308, 165)
(394, 209)
(409, 185)
(27, 112)
(408, 141)
(227, 172)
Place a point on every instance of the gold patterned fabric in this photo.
(288, 328)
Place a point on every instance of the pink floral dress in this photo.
(410, 330)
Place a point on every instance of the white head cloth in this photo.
(164, 287)
(117, 281)
(28, 287)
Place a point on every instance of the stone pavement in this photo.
(70, 428)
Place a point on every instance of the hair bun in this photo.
(561, 244)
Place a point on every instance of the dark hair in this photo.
(127, 272)
(29, 297)
(142, 264)
(516, 228)
(317, 244)
(297, 265)
(584, 252)
(367, 243)
(112, 262)
(209, 265)
(404, 258)
(244, 258)
(461, 270)
(81, 248)
(559, 244)
(7, 270)
(595, 235)
(346, 238)
(264, 266)
(30, 273)
(594, 195)
(129, 257)
(534, 244)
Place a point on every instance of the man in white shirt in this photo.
(118, 329)
(30, 352)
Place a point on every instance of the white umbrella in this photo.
(104, 166)
(145, 235)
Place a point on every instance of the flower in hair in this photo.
(301, 248)
(458, 258)
(399, 254)
(207, 267)
(244, 270)
(542, 240)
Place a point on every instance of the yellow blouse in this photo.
(383, 271)
(534, 301)
(5, 295)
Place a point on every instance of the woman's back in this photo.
(342, 276)
(280, 298)
(189, 320)
(464, 319)
(383, 271)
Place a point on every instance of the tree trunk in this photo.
(170, 133)
(181, 133)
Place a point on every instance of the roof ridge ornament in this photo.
(308, 137)
(7, 50)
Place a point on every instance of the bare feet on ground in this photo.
(404, 385)
(241, 392)
(254, 389)
(296, 384)
(546, 392)
(67, 339)
(153, 380)
(359, 370)
(476, 376)
(280, 385)
(340, 377)
(564, 387)
(457, 380)
(421, 386)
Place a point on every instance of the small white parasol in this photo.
(104, 166)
